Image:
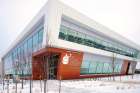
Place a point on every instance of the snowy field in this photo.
(123, 84)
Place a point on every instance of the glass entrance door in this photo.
(53, 62)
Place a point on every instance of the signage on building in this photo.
(65, 59)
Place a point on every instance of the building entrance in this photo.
(46, 64)
(53, 66)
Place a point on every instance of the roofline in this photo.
(101, 28)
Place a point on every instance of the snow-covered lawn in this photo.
(124, 84)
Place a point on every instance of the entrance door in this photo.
(53, 62)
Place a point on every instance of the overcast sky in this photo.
(122, 16)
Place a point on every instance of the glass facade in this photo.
(89, 67)
(92, 64)
(72, 35)
(18, 60)
(8, 64)
(96, 64)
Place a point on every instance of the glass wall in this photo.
(72, 35)
(8, 64)
(18, 60)
(100, 65)
(89, 67)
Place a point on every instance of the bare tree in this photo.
(46, 72)
(29, 68)
(40, 82)
(16, 67)
(41, 73)
(22, 66)
(46, 60)
(113, 66)
(45, 75)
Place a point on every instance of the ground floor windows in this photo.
(89, 67)
(19, 59)
(97, 64)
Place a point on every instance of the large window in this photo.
(22, 53)
(99, 67)
(69, 34)
(97, 64)
(30, 45)
(35, 42)
(8, 64)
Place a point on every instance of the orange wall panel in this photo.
(72, 69)
(124, 67)
(37, 69)
(64, 71)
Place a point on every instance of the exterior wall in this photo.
(71, 70)
(37, 68)
(125, 67)
(128, 67)
(132, 67)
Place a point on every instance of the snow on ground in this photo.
(123, 84)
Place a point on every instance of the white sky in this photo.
(122, 16)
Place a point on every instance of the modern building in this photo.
(61, 43)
